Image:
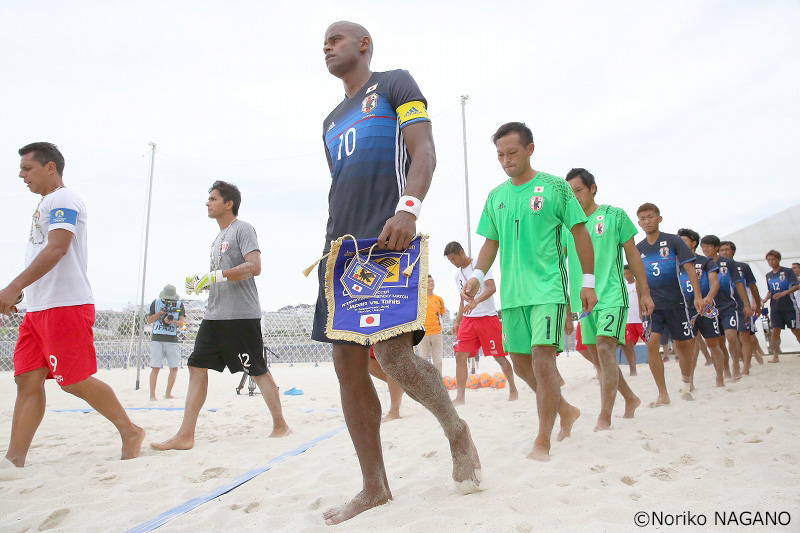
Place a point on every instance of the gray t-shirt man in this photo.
(233, 299)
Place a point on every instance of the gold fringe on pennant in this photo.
(368, 339)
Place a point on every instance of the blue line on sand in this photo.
(89, 410)
(187, 506)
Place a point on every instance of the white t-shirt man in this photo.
(633, 304)
(67, 283)
(486, 307)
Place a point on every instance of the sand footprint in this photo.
(252, 507)
(54, 519)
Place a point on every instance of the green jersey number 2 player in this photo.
(611, 231)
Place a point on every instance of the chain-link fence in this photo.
(286, 332)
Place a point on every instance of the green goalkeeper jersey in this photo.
(609, 227)
(527, 220)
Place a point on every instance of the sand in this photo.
(731, 450)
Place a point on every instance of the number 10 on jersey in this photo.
(348, 139)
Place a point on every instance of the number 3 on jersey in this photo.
(349, 142)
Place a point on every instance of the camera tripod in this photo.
(251, 385)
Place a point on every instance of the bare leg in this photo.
(630, 355)
(28, 413)
(173, 374)
(153, 381)
(726, 366)
(735, 351)
(195, 398)
(686, 362)
(395, 390)
(747, 351)
(775, 345)
(757, 351)
(461, 377)
(269, 391)
(657, 369)
(548, 396)
(423, 383)
(703, 346)
(103, 400)
(611, 380)
(362, 413)
(505, 366)
(717, 358)
(592, 358)
(523, 367)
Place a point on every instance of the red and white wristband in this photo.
(410, 204)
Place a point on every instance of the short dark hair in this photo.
(44, 153)
(453, 248)
(729, 243)
(775, 253)
(648, 207)
(690, 233)
(626, 267)
(229, 193)
(713, 240)
(586, 177)
(798, 264)
(524, 132)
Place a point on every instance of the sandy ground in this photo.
(731, 450)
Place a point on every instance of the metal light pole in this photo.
(466, 172)
(144, 261)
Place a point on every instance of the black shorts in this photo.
(729, 319)
(780, 319)
(708, 327)
(676, 321)
(236, 344)
(744, 322)
(321, 315)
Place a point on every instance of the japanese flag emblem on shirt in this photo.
(370, 321)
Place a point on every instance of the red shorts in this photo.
(480, 332)
(634, 333)
(60, 339)
(579, 346)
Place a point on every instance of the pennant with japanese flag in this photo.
(373, 294)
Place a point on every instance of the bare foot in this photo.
(633, 373)
(661, 399)
(665, 359)
(709, 362)
(746, 371)
(132, 444)
(169, 397)
(727, 374)
(737, 377)
(630, 407)
(391, 416)
(466, 464)
(540, 452)
(513, 395)
(280, 431)
(720, 382)
(153, 399)
(773, 360)
(178, 442)
(458, 401)
(360, 503)
(759, 359)
(602, 424)
(566, 426)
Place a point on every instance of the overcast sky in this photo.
(692, 105)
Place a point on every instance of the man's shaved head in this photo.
(356, 30)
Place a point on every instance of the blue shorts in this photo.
(784, 319)
(729, 319)
(676, 321)
(708, 327)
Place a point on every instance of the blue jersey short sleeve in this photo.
(662, 263)
(367, 155)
